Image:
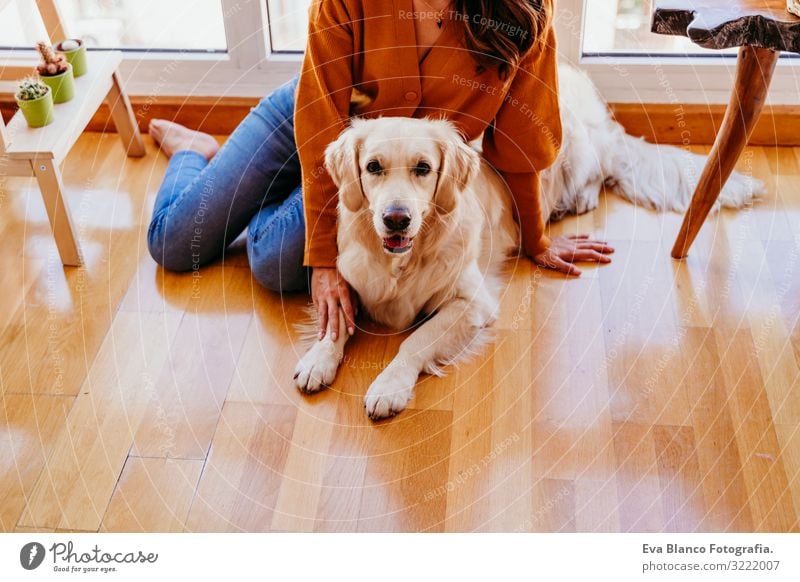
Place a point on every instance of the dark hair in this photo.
(499, 33)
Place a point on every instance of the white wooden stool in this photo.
(39, 152)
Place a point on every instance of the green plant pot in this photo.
(38, 112)
(75, 57)
(63, 86)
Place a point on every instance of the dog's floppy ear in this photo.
(460, 164)
(341, 161)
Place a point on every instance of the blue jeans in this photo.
(254, 182)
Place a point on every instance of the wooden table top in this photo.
(719, 24)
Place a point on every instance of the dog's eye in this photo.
(422, 169)
(374, 167)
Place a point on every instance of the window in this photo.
(623, 26)
(20, 24)
(206, 48)
(245, 48)
(155, 25)
(288, 22)
(147, 24)
(612, 42)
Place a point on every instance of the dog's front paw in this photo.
(390, 392)
(317, 368)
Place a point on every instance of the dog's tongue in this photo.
(397, 242)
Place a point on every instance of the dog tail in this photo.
(663, 177)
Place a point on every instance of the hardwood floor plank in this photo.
(78, 479)
(466, 491)
(156, 290)
(694, 307)
(570, 367)
(617, 221)
(596, 505)
(768, 495)
(784, 266)
(29, 426)
(406, 469)
(791, 199)
(304, 472)
(638, 486)
(681, 488)
(643, 335)
(516, 303)
(153, 495)
(190, 390)
(772, 345)
(509, 461)
(270, 351)
(554, 507)
(718, 456)
(570, 408)
(15, 281)
(345, 468)
(789, 441)
(772, 220)
(239, 488)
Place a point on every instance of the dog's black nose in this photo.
(396, 219)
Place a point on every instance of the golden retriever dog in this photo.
(425, 225)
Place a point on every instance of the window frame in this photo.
(623, 78)
(250, 69)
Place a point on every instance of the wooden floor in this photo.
(648, 395)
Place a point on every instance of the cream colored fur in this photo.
(595, 150)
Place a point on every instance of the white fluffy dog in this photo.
(425, 225)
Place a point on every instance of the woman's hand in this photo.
(565, 250)
(329, 290)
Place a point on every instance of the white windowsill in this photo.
(624, 79)
(706, 80)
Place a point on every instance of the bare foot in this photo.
(173, 137)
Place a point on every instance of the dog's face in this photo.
(401, 170)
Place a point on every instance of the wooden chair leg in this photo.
(53, 22)
(124, 119)
(754, 70)
(49, 177)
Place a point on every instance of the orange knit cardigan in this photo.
(361, 59)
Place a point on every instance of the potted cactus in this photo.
(56, 73)
(75, 52)
(35, 100)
